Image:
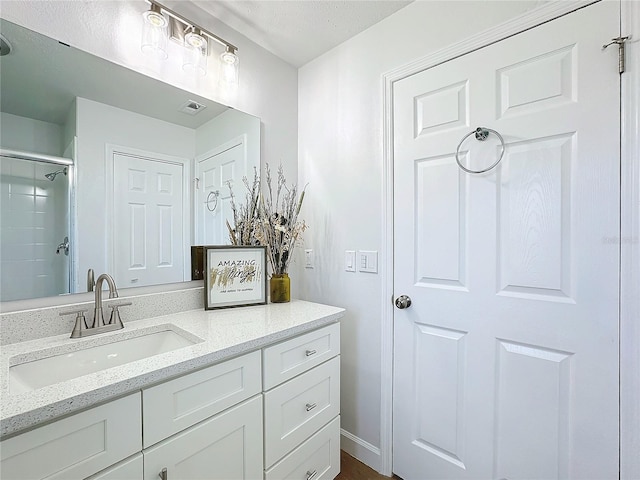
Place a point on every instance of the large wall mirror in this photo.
(150, 170)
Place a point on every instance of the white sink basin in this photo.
(52, 369)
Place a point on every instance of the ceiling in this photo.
(300, 30)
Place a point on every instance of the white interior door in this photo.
(213, 197)
(148, 221)
(506, 363)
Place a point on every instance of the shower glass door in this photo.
(34, 229)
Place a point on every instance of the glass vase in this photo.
(280, 288)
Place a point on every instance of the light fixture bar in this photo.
(232, 48)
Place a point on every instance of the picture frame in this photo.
(234, 276)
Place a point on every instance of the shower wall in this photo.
(33, 213)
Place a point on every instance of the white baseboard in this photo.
(358, 448)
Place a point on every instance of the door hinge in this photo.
(620, 41)
(196, 182)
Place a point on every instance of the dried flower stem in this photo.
(281, 230)
(263, 220)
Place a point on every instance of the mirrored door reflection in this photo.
(34, 233)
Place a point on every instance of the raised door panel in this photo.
(77, 446)
(180, 403)
(298, 408)
(293, 357)
(225, 447)
(316, 459)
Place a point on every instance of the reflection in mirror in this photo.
(152, 165)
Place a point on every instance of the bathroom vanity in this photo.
(254, 394)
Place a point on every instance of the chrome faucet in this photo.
(81, 329)
(98, 319)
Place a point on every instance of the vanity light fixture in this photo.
(229, 68)
(154, 32)
(195, 40)
(195, 52)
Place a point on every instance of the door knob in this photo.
(403, 301)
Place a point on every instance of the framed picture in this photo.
(234, 276)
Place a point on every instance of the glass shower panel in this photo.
(34, 220)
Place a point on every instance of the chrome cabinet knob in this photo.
(403, 301)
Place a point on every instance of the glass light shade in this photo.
(195, 53)
(229, 69)
(154, 33)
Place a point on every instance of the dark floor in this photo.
(352, 469)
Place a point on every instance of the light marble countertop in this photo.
(225, 333)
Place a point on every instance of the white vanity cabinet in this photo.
(268, 414)
(302, 406)
(173, 406)
(225, 447)
(77, 446)
(193, 430)
(129, 469)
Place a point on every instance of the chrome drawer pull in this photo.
(163, 474)
(308, 353)
(311, 406)
(310, 475)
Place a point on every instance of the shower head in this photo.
(51, 176)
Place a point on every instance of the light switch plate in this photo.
(308, 258)
(350, 260)
(368, 261)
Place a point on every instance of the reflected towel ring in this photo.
(481, 134)
(215, 194)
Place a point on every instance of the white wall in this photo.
(340, 156)
(97, 126)
(229, 126)
(21, 133)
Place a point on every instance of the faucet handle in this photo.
(81, 322)
(114, 318)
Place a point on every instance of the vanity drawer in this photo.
(180, 403)
(293, 357)
(129, 469)
(316, 459)
(77, 446)
(300, 407)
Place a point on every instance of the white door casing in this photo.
(216, 170)
(150, 220)
(514, 286)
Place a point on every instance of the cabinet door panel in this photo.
(298, 408)
(77, 446)
(225, 447)
(318, 458)
(129, 469)
(180, 403)
(293, 357)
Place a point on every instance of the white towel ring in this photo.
(481, 133)
(215, 194)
